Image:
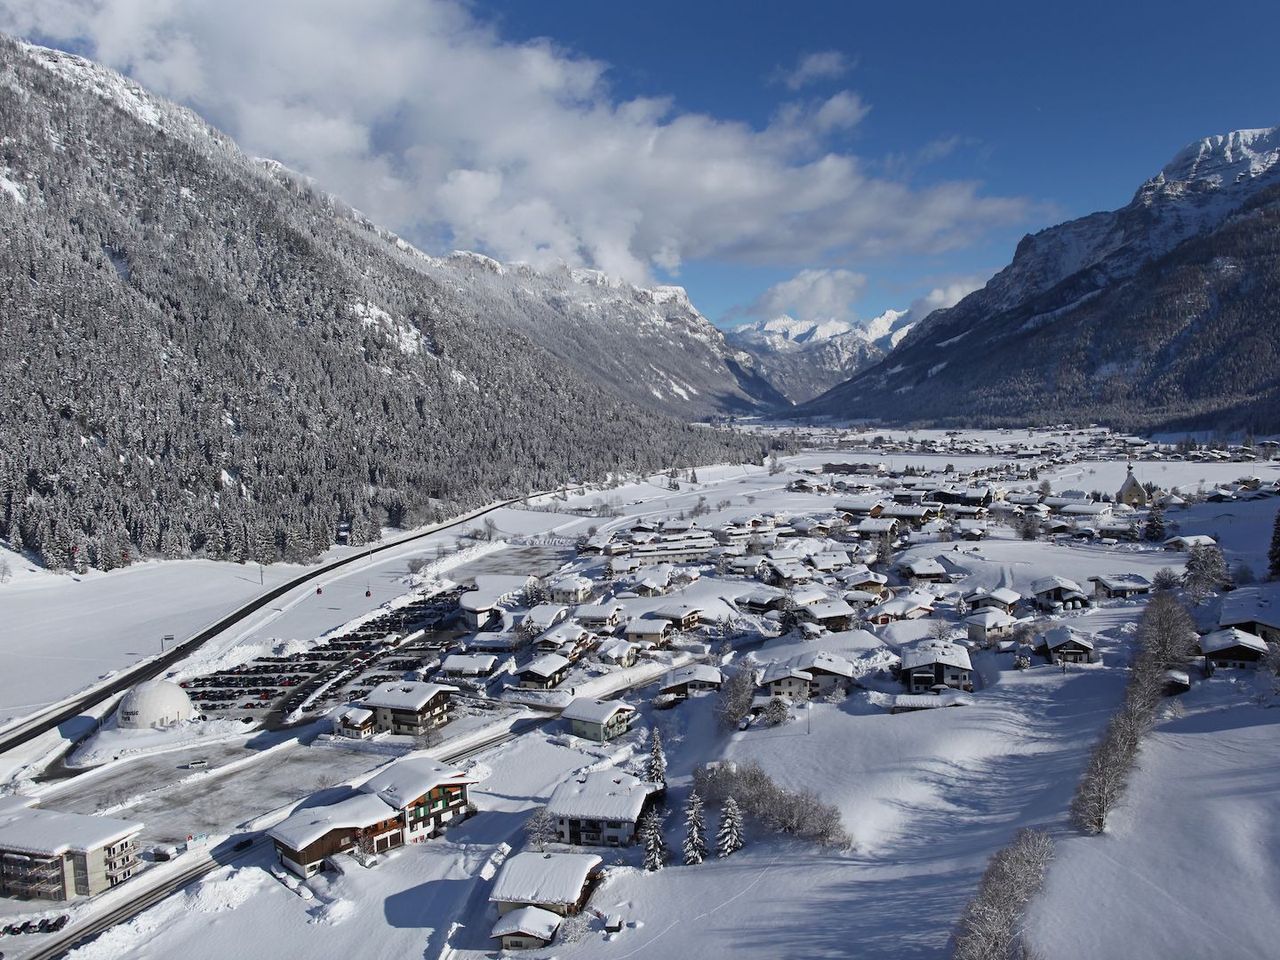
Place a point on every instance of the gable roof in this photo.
(405, 694)
(551, 879)
(595, 711)
(304, 827)
(1221, 640)
(601, 795)
(404, 781)
(936, 651)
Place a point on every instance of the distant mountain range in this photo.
(1160, 314)
(803, 358)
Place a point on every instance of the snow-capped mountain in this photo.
(803, 358)
(1160, 312)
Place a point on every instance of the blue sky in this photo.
(1069, 105)
(826, 159)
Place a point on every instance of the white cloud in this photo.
(424, 117)
(811, 295)
(814, 67)
(946, 295)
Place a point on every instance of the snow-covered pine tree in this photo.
(655, 846)
(729, 837)
(655, 770)
(695, 831)
(1153, 530)
(1273, 556)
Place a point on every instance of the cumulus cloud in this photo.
(815, 295)
(815, 67)
(946, 295)
(422, 115)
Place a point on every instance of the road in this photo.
(49, 720)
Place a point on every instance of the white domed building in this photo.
(154, 703)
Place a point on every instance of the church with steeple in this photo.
(1131, 491)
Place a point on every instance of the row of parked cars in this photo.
(43, 925)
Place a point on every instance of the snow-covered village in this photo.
(685, 712)
(567, 481)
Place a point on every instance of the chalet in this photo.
(599, 616)
(409, 707)
(828, 672)
(544, 673)
(560, 883)
(570, 640)
(545, 616)
(598, 720)
(910, 606)
(52, 855)
(935, 663)
(692, 679)
(762, 600)
(1251, 609)
(354, 722)
(1058, 593)
(1120, 587)
(1187, 543)
(831, 614)
(1232, 649)
(874, 528)
(469, 666)
(525, 928)
(786, 572)
(912, 516)
(829, 561)
(570, 589)
(1001, 598)
(860, 508)
(620, 652)
(362, 822)
(600, 808)
(989, 625)
(785, 680)
(864, 580)
(649, 631)
(683, 616)
(1061, 644)
(427, 794)
(926, 569)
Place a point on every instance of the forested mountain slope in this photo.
(202, 355)
(1161, 314)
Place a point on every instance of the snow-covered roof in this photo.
(405, 694)
(601, 795)
(823, 661)
(305, 827)
(529, 921)
(546, 665)
(406, 780)
(1258, 604)
(936, 651)
(598, 611)
(595, 711)
(990, 617)
(52, 833)
(925, 567)
(616, 649)
(784, 671)
(355, 715)
(1231, 637)
(678, 611)
(1061, 635)
(825, 609)
(1054, 582)
(694, 673)
(551, 879)
(1123, 581)
(1193, 540)
(469, 663)
(547, 613)
(648, 627)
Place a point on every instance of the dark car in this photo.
(244, 844)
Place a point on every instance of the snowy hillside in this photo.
(1156, 314)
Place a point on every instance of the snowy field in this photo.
(1190, 864)
(61, 633)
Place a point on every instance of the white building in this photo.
(600, 808)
